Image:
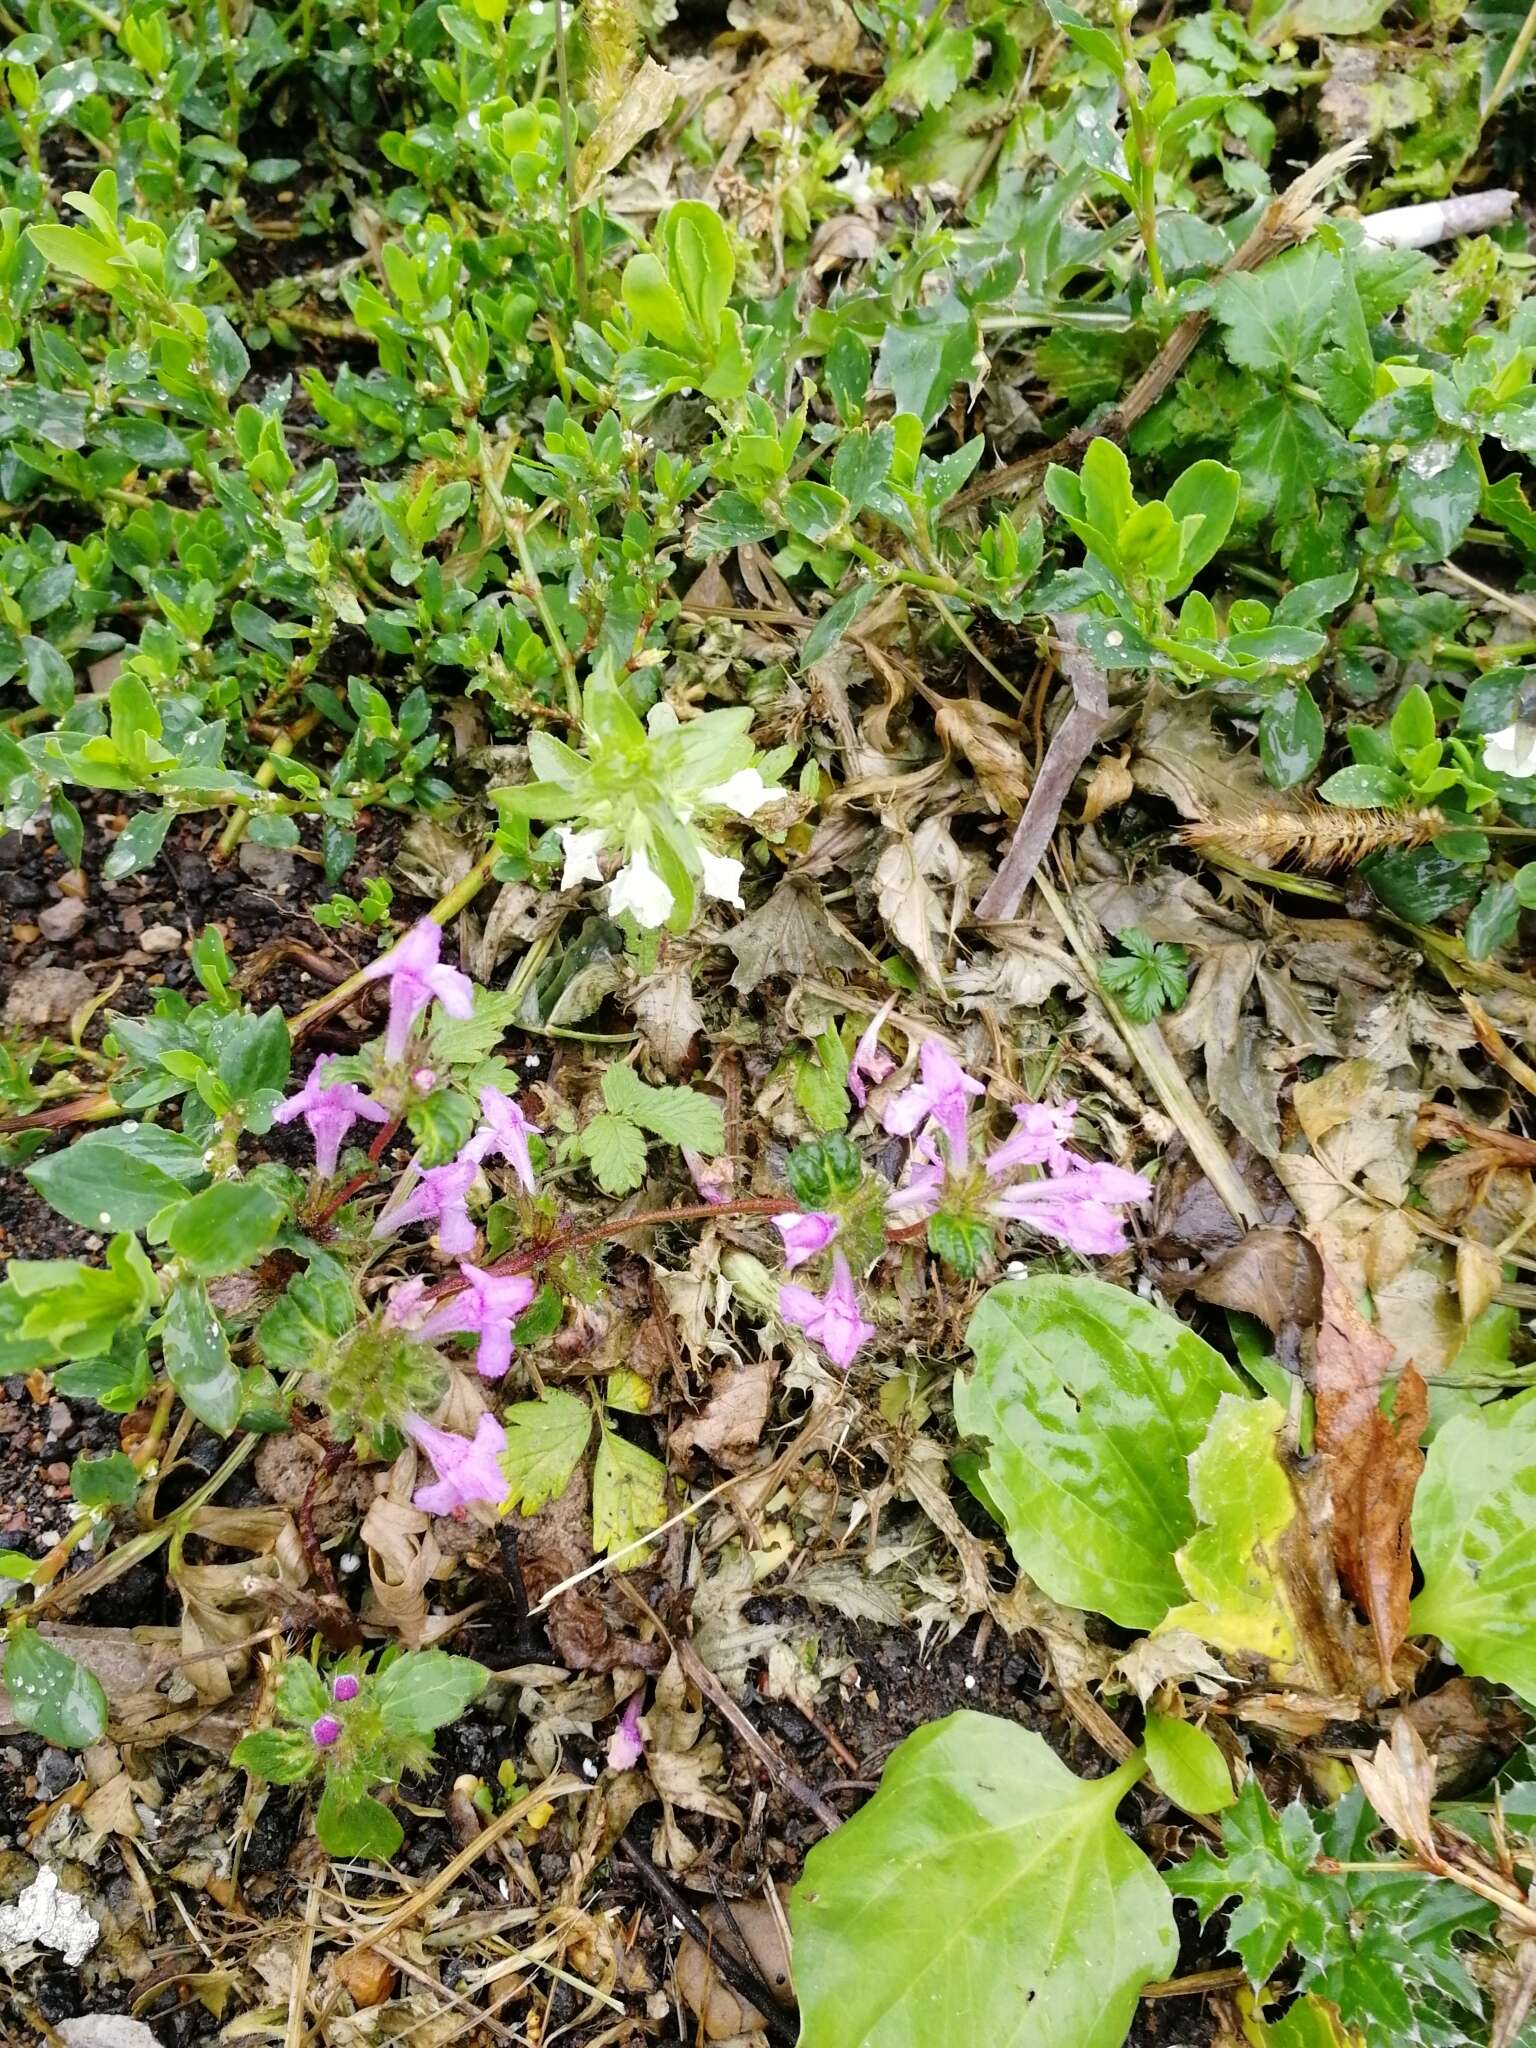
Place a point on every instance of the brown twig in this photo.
(737, 1971)
(1071, 744)
(1285, 220)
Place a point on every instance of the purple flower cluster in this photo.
(1077, 1201)
(1033, 1178)
(440, 1194)
(329, 1108)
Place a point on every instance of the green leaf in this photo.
(835, 621)
(111, 1481)
(300, 1328)
(78, 1310)
(1187, 1765)
(1090, 1402)
(283, 1756)
(52, 1695)
(302, 1694)
(1474, 1534)
(629, 1495)
(461, 1042)
(678, 1116)
(425, 1690)
(197, 1358)
(356, 1825)
(1291, 735)
(118, 1180)
(1364, 788)
(924, 356)
(545, 1439)
(985, 1894)
(1275, 318)
(615, 1149)
(1267, 1864)
(227, 1227)
(1493, 920)
(1439, 489)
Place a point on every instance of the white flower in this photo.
(581, 851)
(722, 877)
(1512, 751)
(638, 889)
(857, 183)
(745, 793)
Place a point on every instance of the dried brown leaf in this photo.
(1399, 1781)
(731, 1422)
(1275, 1275)
(1372, 1463)
(791, 935)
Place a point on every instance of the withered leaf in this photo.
(791, 935)
(1372, 1462)
(1275, 1275)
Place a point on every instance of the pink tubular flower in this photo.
(1077, 1207)
(940, 1097)
(1039, 1140)
(870, 1062)
(504, 1135)
(329, 1108)
(467, 1469)
(919, 1194)
(439, 1195)
(347, 1687)
(414, 978)
(325, 1731)
(805, 1233)
(626, 1745)
(488, 1307)
(831, 1320)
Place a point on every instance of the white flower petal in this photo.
(722, 877)
(581, 851)
(1512, 751)
(745, 794)
(638, 889)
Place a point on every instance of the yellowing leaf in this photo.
(629, 1496)
(544, 1440)
(1231, 1565)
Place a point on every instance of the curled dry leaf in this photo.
(989, 740)
(1399, 1781)
(1275, 1275)
(723, 2015)
(731, 1422)
(1372, 1463)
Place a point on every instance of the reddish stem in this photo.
(574, 1240)
(360, 1180)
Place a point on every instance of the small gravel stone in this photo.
(161, 938)
(63, 919)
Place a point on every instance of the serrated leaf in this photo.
(629, 1496)
(283, 1756)
(678, 1116)
(545, 1439)
(985, 1894)
(1090, 1402)
(615, 1150)
(461, 1041)
(1474, 1534)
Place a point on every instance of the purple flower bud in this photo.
(324, 1731)
(347, 1687)
(805, 1233)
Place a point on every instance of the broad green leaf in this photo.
(227, 1227)
(1245, 1503)
(300, 1328)
(197, 1358)
(629, 1496)
(52, 1695)
(1089, 1402)
(461, 1041)
(111, 1481)
(1291, 736)
(302, 1694)
(283, 1756)
(835, 621)
(77, 1310)
(1187, 1765)
(357, 1826)
(984, 1895)
(678, 1116)
(1474, 1534)
(120, 1179)
(615, 1149)
(1275, 318)
(924, 356)
(425, 1690)
(545, 1438)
